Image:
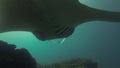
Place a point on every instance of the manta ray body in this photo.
(49, 19)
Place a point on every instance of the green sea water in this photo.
(97, 40)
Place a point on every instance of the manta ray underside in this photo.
(52, 19)
(68, 14)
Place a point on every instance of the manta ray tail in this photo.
(103, 15)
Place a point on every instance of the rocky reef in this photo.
(10, 57)
(74, 63)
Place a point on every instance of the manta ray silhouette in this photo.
(49, 19)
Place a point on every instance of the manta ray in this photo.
(49, 19)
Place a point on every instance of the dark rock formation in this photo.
(15, 58)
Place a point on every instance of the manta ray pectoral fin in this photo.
(43, 36)
(98, 14)
(39, 35)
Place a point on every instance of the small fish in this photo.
(50, 19)
(63, 40)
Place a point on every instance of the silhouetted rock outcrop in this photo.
(15, 58)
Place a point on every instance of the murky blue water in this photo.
(96, 40)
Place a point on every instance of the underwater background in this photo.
(96, 40)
